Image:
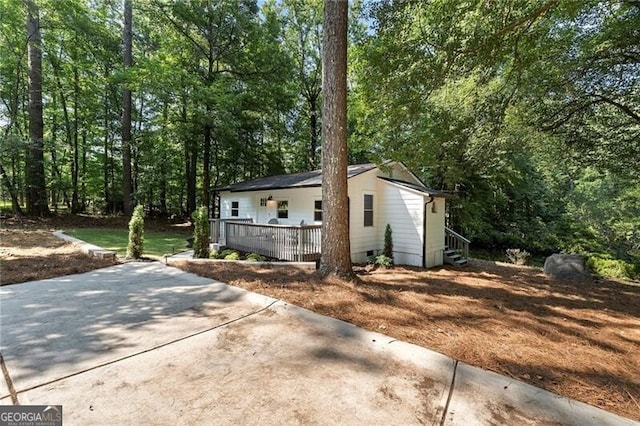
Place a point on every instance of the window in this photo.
(263, 202)
(235, 208)
(317, 210)
(283, 209)
(368, 210)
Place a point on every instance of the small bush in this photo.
(381, 260)
(255, 257)
(213, 254)
(200, 233)
(517, 256)
(136, 233)
(232, 256)
(388, 243)
(607, 267)
(224, 253)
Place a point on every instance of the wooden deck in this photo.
(296, 243)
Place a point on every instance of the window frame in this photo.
(368, 213)
(317, 212)
(282, 213)
(235, 208)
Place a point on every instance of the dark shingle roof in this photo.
(296, 180)
(415, 187)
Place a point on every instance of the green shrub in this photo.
(381, 260)
(232, 256)
(608, 267)
(255, 257)
(200, 233)
(136, 234)
(388, 243)
(224, 253)
(213, 254)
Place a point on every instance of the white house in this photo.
(378, 196)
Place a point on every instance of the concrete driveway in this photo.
(146, 343)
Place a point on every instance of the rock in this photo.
(566, 266)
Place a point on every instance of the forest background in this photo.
(527, 111)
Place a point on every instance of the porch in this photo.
(296, 243)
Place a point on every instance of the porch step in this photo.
(452, 257)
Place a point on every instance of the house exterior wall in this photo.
(404, 211)
(363, 239)
(300, 200)
(245, 204)
(434, 242)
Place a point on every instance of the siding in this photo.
(300, 204)
(403, 210)
(363, 238)
(245, 201)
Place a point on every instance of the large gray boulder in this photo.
(566, 266)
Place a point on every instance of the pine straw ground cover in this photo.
(35, 254)
(580, 340)
(29, 251)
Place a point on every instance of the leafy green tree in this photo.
(505, 107)
(201, 233)
(303, 41)
(135, 248)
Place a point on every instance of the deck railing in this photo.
(297, 243)
(456, 242)
(217, 231)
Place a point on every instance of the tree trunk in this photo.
(206, 166)
(163, 163)
(83, 176)
(105, 165)
(127, 184)
(14, 199)
(75, 164)
(55, 66)
(336, 251)
(36, 185)
(191, 162)
(313, 127)
(206, 155)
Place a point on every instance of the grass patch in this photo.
(155, 243)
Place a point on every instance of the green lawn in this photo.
(155, 243)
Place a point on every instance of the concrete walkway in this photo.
(143, 343)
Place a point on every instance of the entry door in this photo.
(267, 209)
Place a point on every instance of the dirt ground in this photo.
(580, 340)
(577, 339)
